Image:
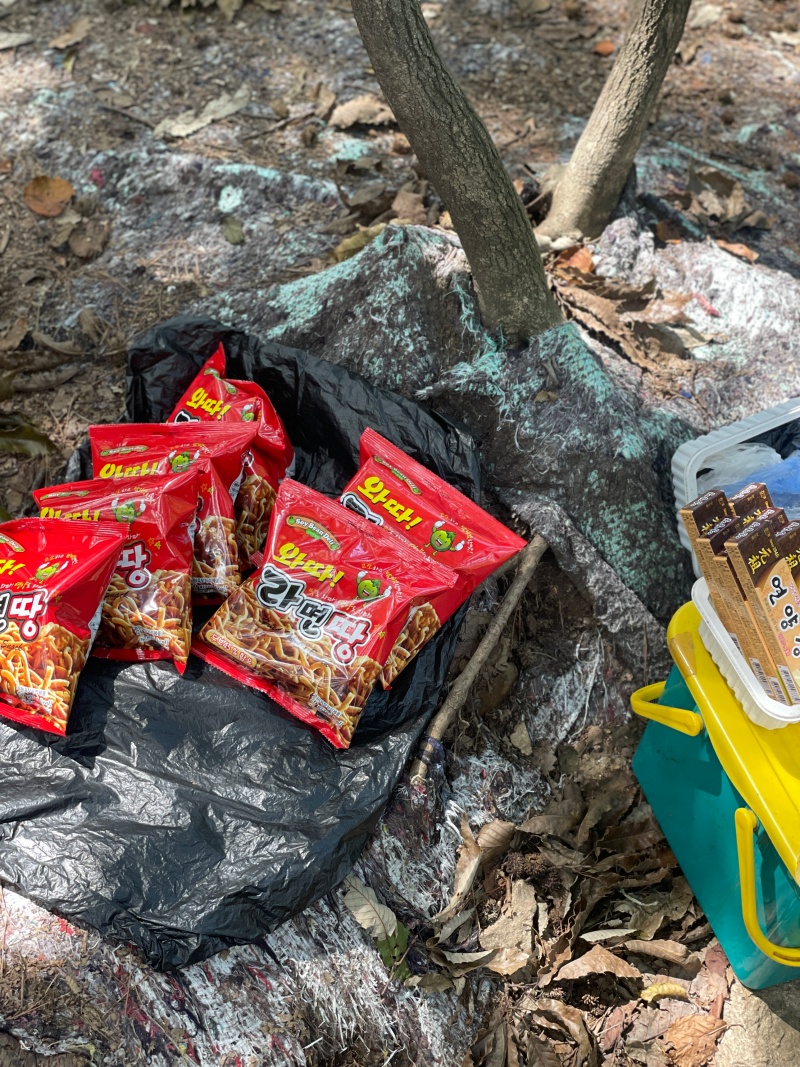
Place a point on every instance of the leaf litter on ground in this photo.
(572, 909)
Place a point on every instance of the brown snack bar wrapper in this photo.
(699, 517)
(705, 511)
(749, 502)
(788, 542)
(731, 605)
(776, 517)
(706, 547)
(770, 589)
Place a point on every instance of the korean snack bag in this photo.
(53, 577)
(134, 450)
(213, 398)
(314, 625)
(147, 610)
(393, 491)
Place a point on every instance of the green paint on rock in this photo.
(230, 199)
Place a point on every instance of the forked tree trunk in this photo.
(593, 180)
(461, 160)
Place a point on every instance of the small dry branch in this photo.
(527, 562)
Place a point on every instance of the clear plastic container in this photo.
(690, 459)
(761, 709)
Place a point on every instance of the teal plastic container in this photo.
(695, 804)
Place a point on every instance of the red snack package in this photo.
(53, 576)
(213, 398)
(132, 450)
(394, 491)
(147, 609)
(313, 626)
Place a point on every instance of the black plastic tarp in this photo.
(188, 814)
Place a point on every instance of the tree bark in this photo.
(461, 160)
(594, 178)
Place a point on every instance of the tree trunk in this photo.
(461, 160)
(594, 178)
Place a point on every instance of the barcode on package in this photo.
(788, 681)
(777, 691)
(758, 671)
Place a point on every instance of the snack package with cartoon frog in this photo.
(147, 609)
(394, 491)
(313, 627)
(53, 576)
(213, 398)
(218, 451)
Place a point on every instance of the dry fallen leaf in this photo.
(89, 237)
(668, 232)
(693, 1039)
(363, 110)
(48, 196)
(494, 838)
(637, 831)
(112, 96)
(324, 101)
(450, 927)
(74, 35)
(189, 123)
(540, 1054)
(598, 960)
(604, 48)
(353, 244)
(615, 1025)
(65, 348)
(14, 40)
(91, 324)
(13, 339)
(671, 951)
(580, 260)
(534, 7)
(229, 8)
(715, 959)
(742, 251)
(663, 989)
(460, 963)
(408, 207)
(376, 918)
(571, 1020)
(469, 860)
(703, 16)
(232, 230)
(560, 815)
(512, 934)
(521, 739)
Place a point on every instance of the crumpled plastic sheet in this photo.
(190, 814)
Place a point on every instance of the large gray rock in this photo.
(764, 1028)
(556, 422)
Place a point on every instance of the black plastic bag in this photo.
(188, 814)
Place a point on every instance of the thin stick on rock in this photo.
(527, 562)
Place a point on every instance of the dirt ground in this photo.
(208, 221)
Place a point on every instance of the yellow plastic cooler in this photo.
(726, 793)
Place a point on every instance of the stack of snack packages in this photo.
(317, 600)
(749, 554)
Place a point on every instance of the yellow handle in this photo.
(746, 825)
(644, 703)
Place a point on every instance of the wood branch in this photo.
(462, 162)
(593, 180)
(527, 562)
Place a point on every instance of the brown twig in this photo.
(281, 125)
(527, 562)
(127, 114)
